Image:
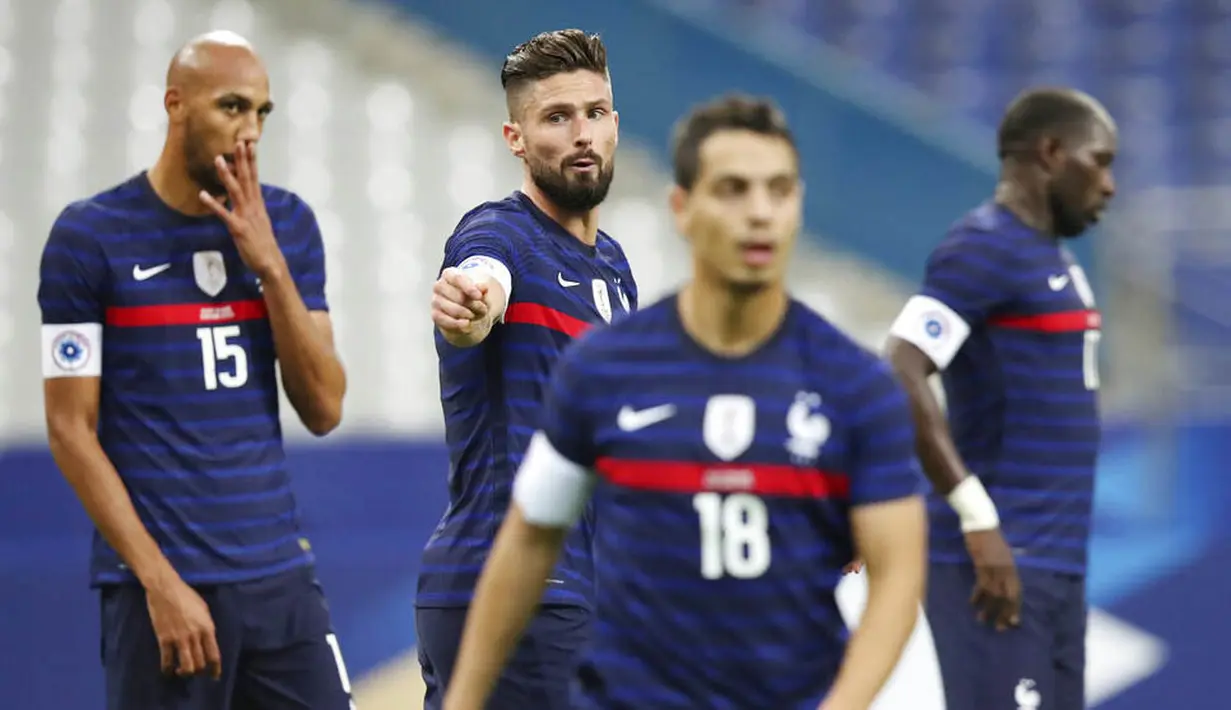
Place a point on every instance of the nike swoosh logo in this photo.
(1057, 283)
(630, 419)
(565, 282)
(141, 274)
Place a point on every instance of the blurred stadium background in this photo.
(389, 125)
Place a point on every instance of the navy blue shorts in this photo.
(1040, 664)
(540, 674)
(277, 643)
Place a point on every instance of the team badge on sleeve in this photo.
(72, 350)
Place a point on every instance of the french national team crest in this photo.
(602, 299)
(210, 271)
(730, 425)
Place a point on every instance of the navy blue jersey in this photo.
(1009, 317)
(492, 394)
(160, 306)
(724, 490)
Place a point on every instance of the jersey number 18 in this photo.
(217, 347)
(734, 535)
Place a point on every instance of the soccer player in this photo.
(740, 450)
(1006, 314)
(169, 302)
(521, 278)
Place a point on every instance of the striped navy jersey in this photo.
(1009, 317)
(492, 394)
(159, 305)
(724, 488)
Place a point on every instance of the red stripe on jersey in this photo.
(535, 314)
(764, 479)
(1063, 322)
(185, 314)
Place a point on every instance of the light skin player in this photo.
(217, 99)
(741, 217)
(565, 129)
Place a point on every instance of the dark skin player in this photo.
(1058, 183)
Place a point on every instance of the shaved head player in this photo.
(1008, 318)
(521, 277)
(170, 302)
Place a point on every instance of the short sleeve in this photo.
(72, 281)
(971, 277)
(308, 270)
(566, 418)
(484, 246)
(884, 466)
(556, 476)
(965, 281)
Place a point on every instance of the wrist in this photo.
(974, 507)
(156, 576)
(273, 271)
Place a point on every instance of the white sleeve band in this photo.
(72, 350)
(933, 327)
(974, 506)
(551, 490)
(479, 267)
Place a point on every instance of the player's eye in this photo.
(557, 118)
(597, 113)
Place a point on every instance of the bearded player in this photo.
(521, 278)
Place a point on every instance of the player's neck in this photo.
(583, 226)
(1027, 204)
(169, 180)
(729, 323)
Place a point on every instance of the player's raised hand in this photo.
(457, 301)
(997, 595)
(185, 630)
(247, 218)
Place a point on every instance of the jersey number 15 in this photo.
(217, 348)
(734, 535)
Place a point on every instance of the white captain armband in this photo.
(933, 327)
(479, 267)
(72, 350)
(974, 506)
(551, 490)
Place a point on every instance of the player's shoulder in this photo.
(845, 364)
(988, 232)
(90, 219)
(509, 217)
(826, 338)
(610, 246)
(282, 203)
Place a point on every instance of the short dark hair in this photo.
(732, 112)
(549, 53)
(1043, 112)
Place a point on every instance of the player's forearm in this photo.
(105, 498)
(894, 593)
(313, 376)
(933, 439)
(507, 595)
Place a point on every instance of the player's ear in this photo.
(677, 199)
(173, 102)
(513, 139)
(1051, 153)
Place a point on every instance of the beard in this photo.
(573, 192)
(200, 163)
(1067, 222)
